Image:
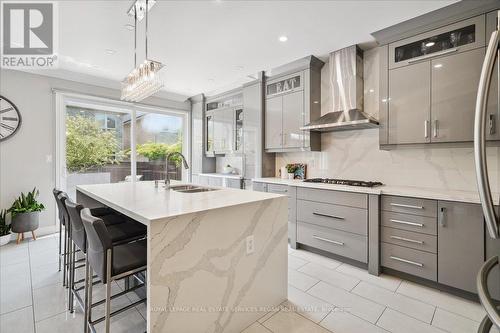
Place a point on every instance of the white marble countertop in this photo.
(407, 191)
(222, 175)
(145, 203)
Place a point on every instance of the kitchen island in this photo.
(217, 260)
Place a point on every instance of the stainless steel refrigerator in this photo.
(483, 182)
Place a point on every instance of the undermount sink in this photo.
(191, 189)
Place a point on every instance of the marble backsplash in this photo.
(356, 154)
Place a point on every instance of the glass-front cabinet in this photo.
(224, 125)
(454, 38)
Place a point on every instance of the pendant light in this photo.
(145, 79)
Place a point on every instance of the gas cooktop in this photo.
(343, 182)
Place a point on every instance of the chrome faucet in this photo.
(167, 176)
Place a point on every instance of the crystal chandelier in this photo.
(145, 79)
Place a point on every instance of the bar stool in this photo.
(123, 232)
(110, 263)
(56, 193)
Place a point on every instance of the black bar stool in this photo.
(110, 262)
(123, 232)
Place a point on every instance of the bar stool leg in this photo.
(108, 290)
(60, 244)
(88, 295)
(65, 254)
(72, 278)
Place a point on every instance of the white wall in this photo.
(356, 154)
(28, 158)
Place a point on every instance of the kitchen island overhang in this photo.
(217, 261)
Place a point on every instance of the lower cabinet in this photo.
(493, 249)
(460, 244)
(441, 241)
(414, 262)
(338, 242)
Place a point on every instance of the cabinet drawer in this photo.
(415, 206)
(344, 218)
(278, 189)
(233, 183)
(333, 197)
(259, 187)
(335, 241)
(418, 263)
(422, 224)
(410, 239)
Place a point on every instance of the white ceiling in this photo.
(210, 45)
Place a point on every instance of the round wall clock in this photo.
(10, 119)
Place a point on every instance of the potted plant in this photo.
(25, 214)
(290, 168)
(4, 228)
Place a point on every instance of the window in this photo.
(104, 141)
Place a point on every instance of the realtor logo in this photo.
(28, 35)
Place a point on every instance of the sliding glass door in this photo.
(158, 135)
(102, 141)
(96, 149)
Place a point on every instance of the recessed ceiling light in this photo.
(110, 51)
(283, 39)
(438, 65)
(429, 44)
(129, 27)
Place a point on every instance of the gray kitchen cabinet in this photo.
(293, 119)
(493, 249)
(455, 79)
(493, 131)
(273, 123)
(409, 104)
(223, 130)
(292, 99)
(460, 244)
(233, 183)
(199, 125)
(259, 187)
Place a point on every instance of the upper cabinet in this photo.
(429, 85)
(454, 38)
(293, 99)
(224, 121)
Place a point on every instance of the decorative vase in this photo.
(291, 176)
(5, 239)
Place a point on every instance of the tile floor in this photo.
(324, 296)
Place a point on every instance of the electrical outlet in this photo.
(250, 244)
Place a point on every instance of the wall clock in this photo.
(10, 118)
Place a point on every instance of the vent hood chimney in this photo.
(346, 83)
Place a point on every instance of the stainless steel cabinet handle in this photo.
(483, 183)
(426, 129)
(407, 240)
(407, 261)
(432, 55)
(442, 218)
(406, 206)
(408, 223)
(483, 292)
(331, 216)
(328, 240)
(435, 129)
(492, 124)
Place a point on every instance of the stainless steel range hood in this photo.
(346, 83)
